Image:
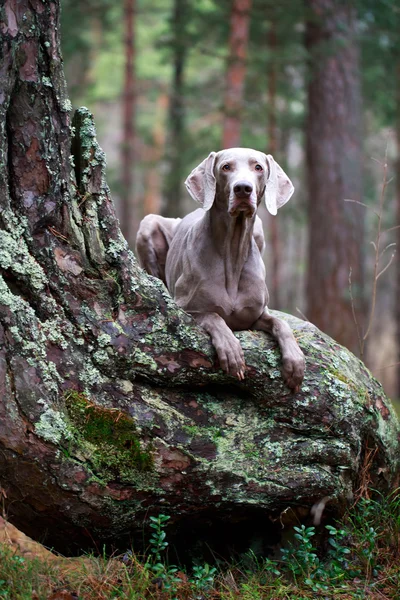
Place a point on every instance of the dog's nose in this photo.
(243, 188)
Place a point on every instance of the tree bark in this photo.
(129, 209)
(236, 72)
(152, 195)
(113, 406)
(176, 146)
(333, 130)
(273, 229)
(397, 304)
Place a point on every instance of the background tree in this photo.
(130, 215)
(236, 72)
(272, 137)
(333, 130)
(176, 113)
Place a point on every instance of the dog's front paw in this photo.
(231, 357)
(293, 368)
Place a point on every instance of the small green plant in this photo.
(370, 521)
(203, 577)
(338, 555)
(165, 575)
(335, 571)
(3, 589)
(158, 544)
(301, 558)
(15, 574)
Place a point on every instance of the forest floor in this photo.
(358, 559)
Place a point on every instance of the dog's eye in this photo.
(258, 168)
(226, 167)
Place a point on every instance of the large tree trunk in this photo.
(176, 122)
(153, 177)
(113, 406)
(274, 283)
(334, 170)
(236, 72)
(129, 208)
(397, 304)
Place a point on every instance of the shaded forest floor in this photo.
(355, 559)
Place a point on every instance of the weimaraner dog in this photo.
(211, 260)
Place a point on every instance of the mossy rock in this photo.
(216, 453)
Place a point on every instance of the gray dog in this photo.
(211, 260)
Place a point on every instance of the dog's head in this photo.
(240, 177)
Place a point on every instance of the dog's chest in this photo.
(239, 298)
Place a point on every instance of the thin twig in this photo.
(387, 248)
(362, 204)
(303, 316)
(378, 255)
(377, 243)
(353, 310)
(391, 229)
(388, 366)
(387, 266)
(57, 234)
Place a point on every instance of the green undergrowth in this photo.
(355, 559)
(110, 436)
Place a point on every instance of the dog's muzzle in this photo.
(243, 199)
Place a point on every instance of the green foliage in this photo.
(203, 577)
(357, 559)
(18, 577)
(379, 29)
(165, 574)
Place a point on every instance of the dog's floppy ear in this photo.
(201, 183)
(278, 187)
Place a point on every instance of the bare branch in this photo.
(362, 204)
(377, 251)
(353, 310)
(387, 248)
(387, 266)
(391, 229)
(388, 366)
(303, 316)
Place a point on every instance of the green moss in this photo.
(111, 437)
(341, 377)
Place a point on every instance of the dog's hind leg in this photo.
(152, 243)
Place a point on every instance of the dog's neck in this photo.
(232, 238)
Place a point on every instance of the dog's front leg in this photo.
(229, 350)
(293, 362)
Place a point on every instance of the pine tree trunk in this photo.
(397, 304)
(333, 130)
(176, 144)
(113, 407)
(129, 209)
(274, 283)
(236, 72)
(153, 177)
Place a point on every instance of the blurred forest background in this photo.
(316, 83)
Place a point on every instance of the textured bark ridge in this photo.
(112, 404)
